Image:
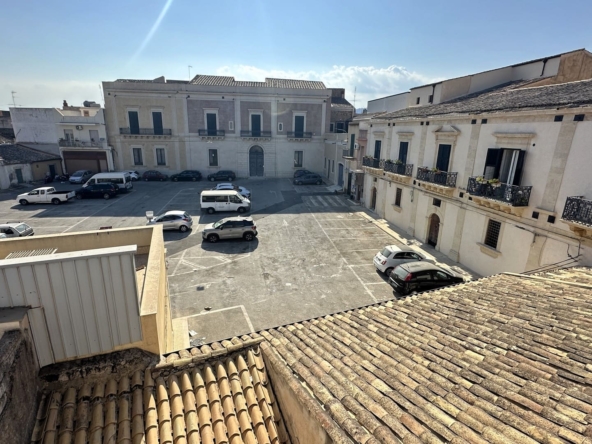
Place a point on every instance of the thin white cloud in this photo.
(152, 30)
(369, 82)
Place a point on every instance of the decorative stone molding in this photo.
(498, 205)
(256, 139)
(397, 208)
(378, 172)
(579, 229)
(446, 136)
(212, 137)
(142, 136)
(405, 136)
(489, 251)
(444, 191)
(378, 133)
(399, 178)
(513, 140)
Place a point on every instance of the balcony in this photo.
(299, 135)
(256, 135)
(211, 134)
(399, 172)
(438, 181)
(66, 143)
(504, 197)
(146, 133)
(373, 166)
(577, 214)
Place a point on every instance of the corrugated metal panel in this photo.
(29, 253)
(89, 298)
(40, 336)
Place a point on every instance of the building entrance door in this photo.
(373, 201)
(340, 175)
(256, 158)
(19, 175)
(433, 230)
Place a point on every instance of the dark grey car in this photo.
(309, 179)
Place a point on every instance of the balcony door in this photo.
(69, 135)
(377, 147)
(443, 160)
(212, 123)
(505, 165)
(157, 122)
(256, 125)
(299, 126)
(134, 122)
(403, 147)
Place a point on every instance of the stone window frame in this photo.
(141, 148)
(256, 112)
(160, 147)
(211, 111)
(296, 114)
(486, 249)
(442, 137)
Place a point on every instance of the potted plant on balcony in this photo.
(398, 162)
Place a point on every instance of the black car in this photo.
(421, 276)
(154, 175)
(187, 175)
(299, 173)
(309, 178)
(104, 190)
(222, 175)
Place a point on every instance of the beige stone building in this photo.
(257, 129)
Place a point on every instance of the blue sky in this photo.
(62, 50)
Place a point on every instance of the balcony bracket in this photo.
(399, 178)
(255, 138)
(212, 137)
(499, 206)
(378, 172)
(440, 189)
(579, 229)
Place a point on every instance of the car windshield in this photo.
(220, 222)
(78, 174)
(21, 228)
(386, 252)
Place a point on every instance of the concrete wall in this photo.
(388, 104)
(37, 125)
(8, 176)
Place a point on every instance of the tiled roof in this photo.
(341, 103)
(15, 154)
(502, 359)
(269, 83)
(221, 395)
(507, 97)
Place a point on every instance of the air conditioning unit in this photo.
(79, 127)
(356, 146)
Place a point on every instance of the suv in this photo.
(16, 229)
(393, 255)
(230, 227)
(81, 176)
(154, 175)
(187, 175)
(415, 277)
(222, 175)
(104, 190)
(309, 178)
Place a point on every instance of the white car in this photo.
(171, 220)
(229, 186)
(392, 255)
(133, 174)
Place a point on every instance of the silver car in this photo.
(16, 229)
(393, 255)
(173, 220)
(81, 176)
(230, 228)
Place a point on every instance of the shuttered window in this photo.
(493, 232)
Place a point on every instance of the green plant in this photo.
(398, 162)
(435, 170)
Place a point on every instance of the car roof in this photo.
(238, 218)
(422, 266)
(13, 224)
(404, 248)
(175, 212)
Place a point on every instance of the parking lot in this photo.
(313, 255)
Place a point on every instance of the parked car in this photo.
(81, 176)
(187, 175)
(3, 236)
(133, 174)
(421, 276)
(392, 255)
(45, 195)
(172, 220)
(228, 186)
(230, 228)
(16, 229)
(299, 173)
(222, 175)
(104, 190)
(308, 179)
(154, 175)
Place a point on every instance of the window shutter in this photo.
(403, 147)
(519, 166)
(443, 160)
(493, 163)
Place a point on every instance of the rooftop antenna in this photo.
(189, 68)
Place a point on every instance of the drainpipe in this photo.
(544, 64)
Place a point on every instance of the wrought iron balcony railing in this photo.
(211, 132)
(437, 177)
(403, 169)
(80, 143)
(372, 162)
(299, 135)
(146, 132)
(517, 196)
(578, 209)
(246, 133)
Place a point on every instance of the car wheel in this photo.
(319, 182)
(23, 202)
(241, 209)
(211, 211)
(388, 272)
(79, 196)
(106, 196)
(248, 237)
(212, 179)
(55, 201)
(193, 179)
(175, 179)
(183, 228)
(213, 238)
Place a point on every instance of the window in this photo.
(160, 156)
(222, 199)
(398, 194)
(352, 143)
(340, 127)
(134, 123)
(443, 159)
(208, 199)
(213, 156)
(437, 202)
(211, 117)
(280, 127)
(493, 232)
(331, 127)
(235, 199)
(505, 165)
(483, 121)
(255, 124)
(298, 159)
(417, 101)
(535, 214)
(440, 276)
(473, 121)
(299, 124)
(558, 118)
(403, 147)
(137, 156)
(157, 122)
(231, 125)
(85, 113)
(69, 135)
(579, 117)
(551, 219)
(377, 146)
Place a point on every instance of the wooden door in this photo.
(434, 230)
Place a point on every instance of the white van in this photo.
(224, 200)
(122, 180)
